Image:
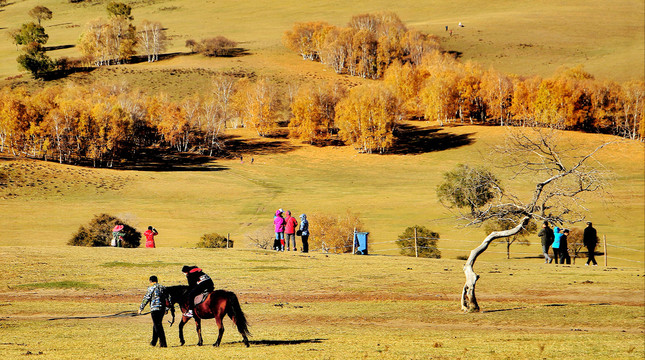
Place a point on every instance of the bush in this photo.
(262, 238)
(334, 233)
(217, 46)
(213, 240)
(99, 233)
(426, 242)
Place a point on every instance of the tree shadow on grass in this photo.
(168, 160)
(411, 139)
(286, 342)
(257, 146)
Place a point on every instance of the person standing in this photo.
(157, 299)
(117, 235)
(278, 223)
(198, 282)
(564, 248)
(290, 230)
(304, 233)
(590, 240)
(557, 235)
(150, 236)
(546, 235)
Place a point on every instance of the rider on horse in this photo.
(199, 282)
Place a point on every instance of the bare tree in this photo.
(562, 178)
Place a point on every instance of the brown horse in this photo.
(217, 305)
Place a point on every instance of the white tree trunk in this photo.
(468, 300)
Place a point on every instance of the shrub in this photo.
(262, 238)
(213, 240)
(217, 46)
(334, 233)
(426, 242)
(99, 233)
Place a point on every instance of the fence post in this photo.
(353, 243)
(416, 247)
(604, 240)
(228, 237)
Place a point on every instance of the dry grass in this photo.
(317, 306)
(522, 37)
(47, 202)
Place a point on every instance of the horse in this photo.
(217, 305)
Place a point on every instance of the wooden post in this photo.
(416, 247)
(228, 238)
(604, 240)
(354, 242)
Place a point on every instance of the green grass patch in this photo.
(60, 285)
(141, 265)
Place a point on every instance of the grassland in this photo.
(62, 302)
(519, 37)
(44, 203)
(319, 307)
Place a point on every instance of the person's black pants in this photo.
(591, 256)
(200, 288)
(157, 328)
(305, 243)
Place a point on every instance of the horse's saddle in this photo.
(201, 297)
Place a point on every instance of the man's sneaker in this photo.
(189, 314)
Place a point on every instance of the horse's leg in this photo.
(198, 327)
(181, 330)
(220, 326)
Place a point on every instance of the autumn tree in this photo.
(334, 233)
(152, 39)
(313, 110)
(40, 13)
(496, 91)
(366, 118)
(258, 105)
(564, 176)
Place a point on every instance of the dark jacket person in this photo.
(198, 282)
(157, 299)
(590, 240)
(547, 237)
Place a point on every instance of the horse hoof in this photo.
(216, 345)
(182, 343)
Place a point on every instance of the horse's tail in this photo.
(234, 311)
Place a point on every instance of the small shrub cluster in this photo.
(334, 233)
(426, 243)
(99, 233)
(213, 240)
(217, 46)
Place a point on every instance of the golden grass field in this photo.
(319, 306)
(520, 37)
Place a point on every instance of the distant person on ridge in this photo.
(547, 237)
(278, 223)
(150, 236)
(290, 231)
(198, 282)
(590, 240)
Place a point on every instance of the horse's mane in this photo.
(177, 292)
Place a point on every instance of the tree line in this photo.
(365, 47)
(422, 81)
